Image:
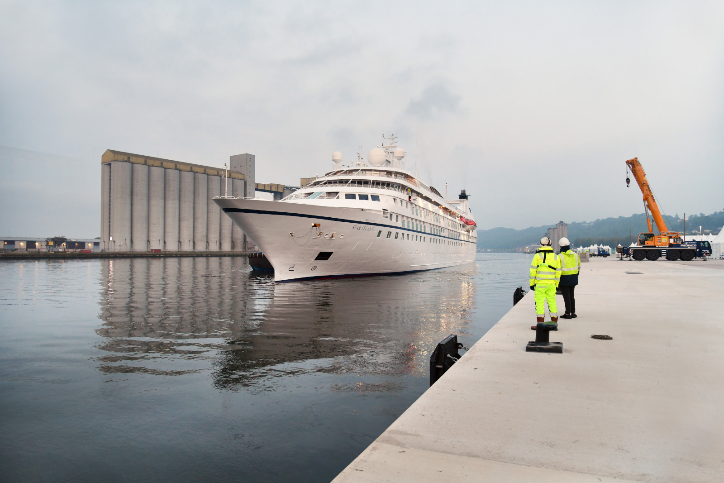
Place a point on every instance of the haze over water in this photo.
(197, 369)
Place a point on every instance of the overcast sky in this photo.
(533, 107)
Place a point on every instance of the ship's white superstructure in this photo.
(365, 219)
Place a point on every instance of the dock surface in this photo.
(645, 406)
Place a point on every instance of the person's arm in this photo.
(578, 258)
(558, 271)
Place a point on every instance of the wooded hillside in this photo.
(600, 231)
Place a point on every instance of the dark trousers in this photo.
(568, 298)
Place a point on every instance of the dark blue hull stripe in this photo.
(355, 275)
(329, 218)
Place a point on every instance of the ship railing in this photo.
(399, 188)
(379, 185)
(354, 184)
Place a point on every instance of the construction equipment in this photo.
(666, 243)
(702, 248)
(599, 252)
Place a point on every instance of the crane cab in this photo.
(645, 239)
(663, 240)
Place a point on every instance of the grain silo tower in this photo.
(154, 204)
(556, 233)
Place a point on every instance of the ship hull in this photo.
(345, 241)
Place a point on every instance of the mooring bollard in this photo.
(518, 295)
(542, 341)
(444, 356)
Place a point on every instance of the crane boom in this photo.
(649, 201)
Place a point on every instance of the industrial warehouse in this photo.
(150, 204)
(54, 244)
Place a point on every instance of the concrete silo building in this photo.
(154, 204)
(556, 233)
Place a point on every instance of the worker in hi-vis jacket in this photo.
(545, 274)
(570, 266)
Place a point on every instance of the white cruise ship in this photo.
(368, 219)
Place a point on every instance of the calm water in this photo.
(200, 370)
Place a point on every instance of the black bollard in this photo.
(542, 336)
(518, 295)
(444, 356)
(542, 341)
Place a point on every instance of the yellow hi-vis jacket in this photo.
(545, 269)
(570, 263)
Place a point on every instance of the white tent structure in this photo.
(717, 245)
(709, 238)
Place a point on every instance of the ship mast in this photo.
(392, 154)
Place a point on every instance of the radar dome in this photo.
(376, 157)
(399, 153)
(337, 157)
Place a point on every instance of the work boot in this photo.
(566, 316)
(540, 319)
(554, 319)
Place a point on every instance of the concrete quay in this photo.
(646, 406)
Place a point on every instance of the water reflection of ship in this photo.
(174, 316)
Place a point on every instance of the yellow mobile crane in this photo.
(666, 243)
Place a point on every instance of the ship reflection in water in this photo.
(197, 369)
(179, 316)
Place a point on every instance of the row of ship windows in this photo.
(352, 196)
(333, 195)
(418, 211)
(408, 223)
(353, 183)
(363, 183)
(435, 230)
(420, 238)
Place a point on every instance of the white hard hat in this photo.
(545, 241)
(563, 242)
